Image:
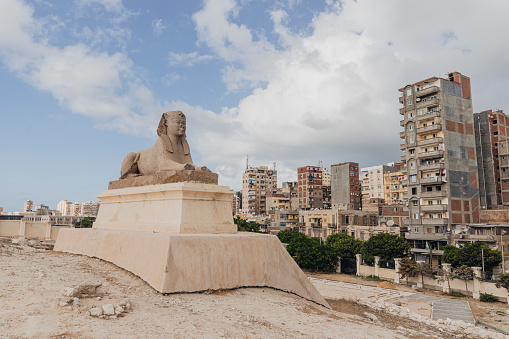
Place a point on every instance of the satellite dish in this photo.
(390, 222)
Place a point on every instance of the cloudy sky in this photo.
(84, 82)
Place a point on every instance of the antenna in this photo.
(320, 163)
(274, 166)
(247, 161)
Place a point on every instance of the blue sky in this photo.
(293, 82)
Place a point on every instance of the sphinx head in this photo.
(172, 123)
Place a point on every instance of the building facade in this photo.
(345, 188)
(492, 149)
(28, 206)
(441, 166)
(310, 187)
(372, 181)
(395, 187)
(256, 183)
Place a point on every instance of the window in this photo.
(495, 121)
(430, 202)
(413, 178)
(429, 189)
(412, 151)
(409, 91)
(439, 188)
(410, 127)
(416, 216)
(411, 140)
(410, 115)
(414, 190)
(495, 133)
(414, 202)
(409, 103)
(412, 165)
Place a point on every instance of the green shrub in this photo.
(373, 278)
(488, 298)
(310, 254)
(287, 235)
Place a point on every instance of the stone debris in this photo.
(456, 326)
(371, 317)
(96, 312)
(108, 309)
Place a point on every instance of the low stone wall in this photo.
(32, 230)
(473, 287)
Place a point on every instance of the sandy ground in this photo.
(32, 281)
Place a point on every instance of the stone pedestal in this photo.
(181, 237)
(169, 208)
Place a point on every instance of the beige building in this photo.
(277, 201)
(395, 187)
(256, 183)
(372, 181)
(28, 206)
(87, 209)
(326, 177)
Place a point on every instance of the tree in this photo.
(407, 268)
(310, 254)
(471, 255)
(386, 246)
(424, 270)
(86, 222)
(465, 273)
(347, 245)
(445, 276)
(246, 226)
(287, 235)
(503, 281)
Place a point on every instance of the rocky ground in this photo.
(45, 294)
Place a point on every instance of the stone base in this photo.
(173, 263)
(166, 177)
(170, 208)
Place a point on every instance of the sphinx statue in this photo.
(169, 160)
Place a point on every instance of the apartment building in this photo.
(28, 206)
(236, 203)
(345, 188)
(277, 201)
(310, 187)
(441, 166)
(492, 148)
(256, 183)
(372, 180)
(290, 188)
(395, 187)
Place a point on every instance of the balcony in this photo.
(402, 146)
(431, 167)
(402, 111)
(476, 237)
(435, 221)
(431, 102)
(427, 236)
(429, 129)
(427, 91)
(428, 115)
(434, 208)
(403, 157)
(431, 155)
(431, 141)
(402, 135)
(401, 99)
(433, 194)
(433, 180)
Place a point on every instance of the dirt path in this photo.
(31, 306)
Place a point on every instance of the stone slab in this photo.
(169, 208)
(173, 263)
(166, 177)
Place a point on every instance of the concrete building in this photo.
(89, 209)
(439, 146)
(236, 203)
(277, 201)
(345, 188)
(326, 177)
(310, 187)
(290, 188)
(492, 148)
(256, 183)
(28, 206)
(395, 187)
(372, 180)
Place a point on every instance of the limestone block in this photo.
(172, 263)
(169, 208)
(166, 177)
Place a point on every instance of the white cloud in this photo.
(158, 27)
(187, 59)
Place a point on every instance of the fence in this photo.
(472, 287)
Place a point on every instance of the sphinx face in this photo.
(176, 125)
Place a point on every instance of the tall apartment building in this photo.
(236, 202)
(28, 206)
(439, 148)
(310, 187)
(290, 188)
(372, 180)
(492, 148)
(345, 188)
(256, 183)
(89, 209)
(326, 177)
